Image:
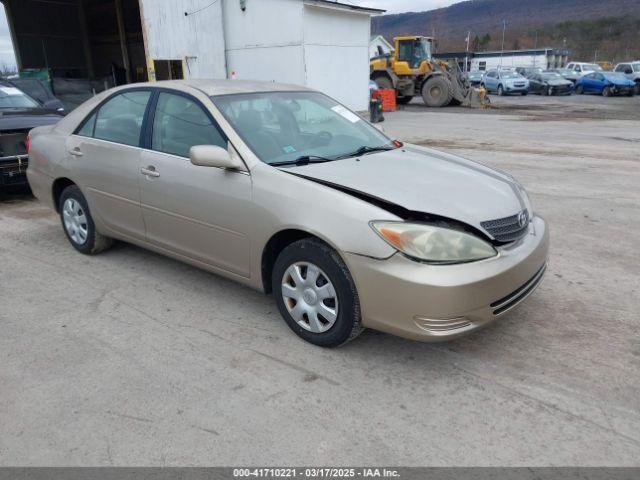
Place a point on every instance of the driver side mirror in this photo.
(214, 156)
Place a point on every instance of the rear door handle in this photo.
(150, 171)
(76, 152)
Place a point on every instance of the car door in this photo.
(490, 81)
(535, 83)
(198, 212)
(598, 82)
(104, 159)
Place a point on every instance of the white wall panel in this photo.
(264, 23)
(269, 64)
(172, 35)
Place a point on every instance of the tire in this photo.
(436, 92)
(500, 91)
(524, 94)
(606, 92)
(579, 90)
(403, 100)
(313, 321)
(78, 225)
(550, 92)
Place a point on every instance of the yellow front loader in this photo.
(411, 71)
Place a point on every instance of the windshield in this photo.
(636, 67)
(285, 126)
(475, 74)
(551, 76)
(591, 66)
(613, 76)
(509, 75)
(11, 97)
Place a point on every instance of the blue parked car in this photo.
(605, 83)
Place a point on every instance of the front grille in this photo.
(13, 170)
(518, 84)
(514, 298)
(508, 229)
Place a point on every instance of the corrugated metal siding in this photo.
(197, 39)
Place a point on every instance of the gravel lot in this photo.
(129, 358)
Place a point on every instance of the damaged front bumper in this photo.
(13, 170)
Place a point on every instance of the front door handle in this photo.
(150, 171)
(76, 152)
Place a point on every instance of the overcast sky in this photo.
(396, 6)
(392, 6)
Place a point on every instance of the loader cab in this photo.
(412, 51)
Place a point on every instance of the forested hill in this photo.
(606, 29)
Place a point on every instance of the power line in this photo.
(186, 14)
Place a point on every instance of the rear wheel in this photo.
(78, 224)
(436, 92)
(316, 294)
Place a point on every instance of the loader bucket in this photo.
(465, 94)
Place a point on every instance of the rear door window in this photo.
(120, 119)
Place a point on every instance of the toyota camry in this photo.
(286, 190)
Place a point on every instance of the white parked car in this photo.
(582, 68)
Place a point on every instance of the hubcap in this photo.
(75, 221)
(310, 297)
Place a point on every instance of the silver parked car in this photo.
(287, 191)
(505, 82)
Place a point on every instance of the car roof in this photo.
(223, 87)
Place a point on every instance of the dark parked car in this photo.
(39, 91)
(550, 83)
(19, 113)
(605, 83)
(475, 78)
(567, 74)
(528, 72)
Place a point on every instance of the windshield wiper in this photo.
(366, 149)
(303, 160)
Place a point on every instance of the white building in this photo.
(544, 58)
(322, 44)
(378, 45)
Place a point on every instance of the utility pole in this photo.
(504, 27)
(466, 58)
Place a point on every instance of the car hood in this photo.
(558, 83)
(621, 83)
(424, 180)
(26, 119)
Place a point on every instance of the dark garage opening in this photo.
(78, 47)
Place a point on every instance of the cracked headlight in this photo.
(433, 244)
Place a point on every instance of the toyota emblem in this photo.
(522, 218)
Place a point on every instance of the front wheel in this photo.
(315, 294)
(500, 91)
(436, 92)
(78, 225)
(550, 91)
(606, 92)
(579, 90)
